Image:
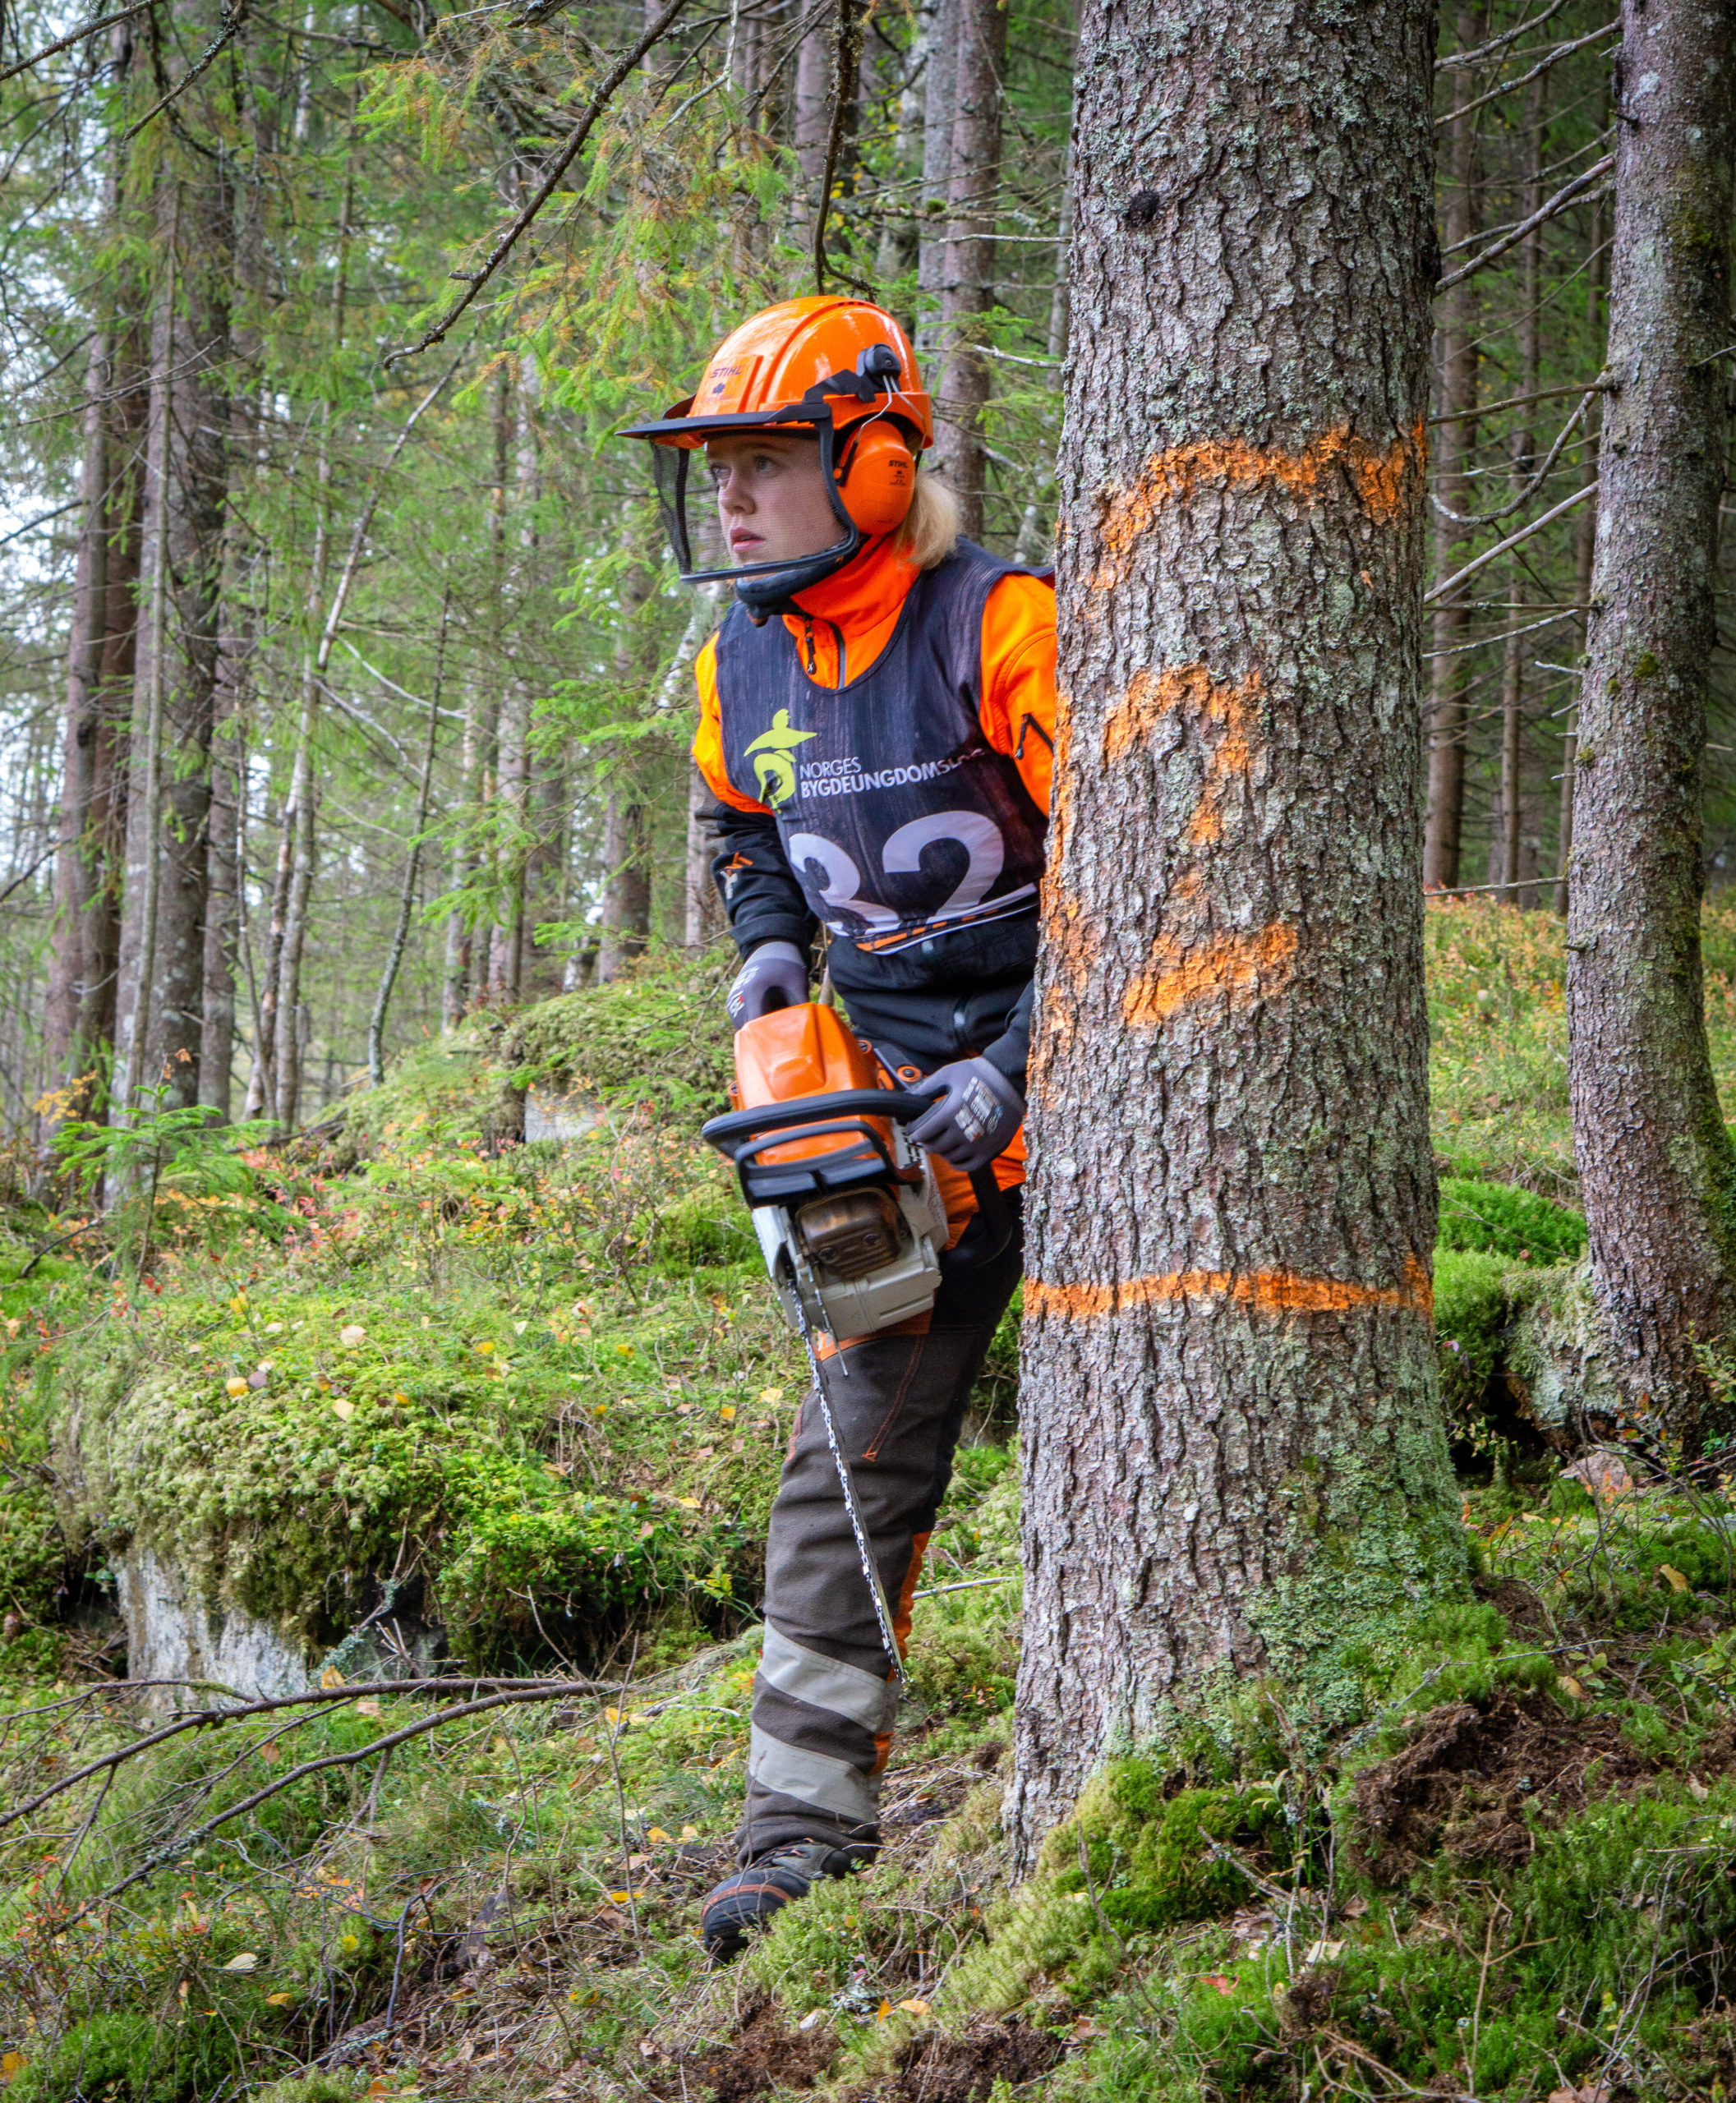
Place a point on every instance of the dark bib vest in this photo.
(901, 822)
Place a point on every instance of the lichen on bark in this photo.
(1234, 1453)
(1657, 1172)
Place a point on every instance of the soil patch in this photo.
(962, 2066)
(1474, 1783)
(764, 2054)
(1524, 1611)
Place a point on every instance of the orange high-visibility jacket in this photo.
(881, 759)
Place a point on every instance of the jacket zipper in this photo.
(812, 662)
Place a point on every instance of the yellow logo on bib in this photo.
(774, 770)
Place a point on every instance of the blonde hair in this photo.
(930, 531)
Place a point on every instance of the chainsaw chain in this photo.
(876, 1590)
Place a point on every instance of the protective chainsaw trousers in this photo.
(824, 1703)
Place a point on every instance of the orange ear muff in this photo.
(876, 477)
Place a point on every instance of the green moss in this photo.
(1471, 1313)
(1154, 1862)
(1508, 1221)
(658, 1039)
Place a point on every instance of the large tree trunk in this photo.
(163, 937)
(1585, 544)
(1510, 843)
(89, 861)
(811, 109)
(702, 918)
(1455, 443)
(462, 869)
(1235, 1462)
(1654, 1163)
(968, 290)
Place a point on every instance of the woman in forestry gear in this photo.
(876, 720)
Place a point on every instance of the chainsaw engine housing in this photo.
(847, 1211)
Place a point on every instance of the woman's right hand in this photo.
(775, 976)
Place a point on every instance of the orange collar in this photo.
(865, 595)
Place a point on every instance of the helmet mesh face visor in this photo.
(673, 467)
(669, 465)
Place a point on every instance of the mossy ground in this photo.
(547, 1387)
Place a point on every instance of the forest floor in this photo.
(520, 1409)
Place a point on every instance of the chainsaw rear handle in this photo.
(740, 1132)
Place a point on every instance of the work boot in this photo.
(751, 1897)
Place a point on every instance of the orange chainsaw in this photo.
(849, 1214)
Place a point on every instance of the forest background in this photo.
(344, 679)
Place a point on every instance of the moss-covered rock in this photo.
(657, 1039)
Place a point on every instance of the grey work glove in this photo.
(775, 976)
(978, 1114)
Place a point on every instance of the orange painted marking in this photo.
(1248, 968)
(1262, 1292)
(1383, 480)
(1151, 696)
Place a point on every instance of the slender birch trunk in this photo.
(968, 293)
(936, 181)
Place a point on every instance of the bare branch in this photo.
(1512, 540)
(1598, 386)
(232, 20)
(199, 1719)
(550, 1690)
(1568, 195)
(76, 36)
(1520, 79)
(1531, 486)
(1482, 51)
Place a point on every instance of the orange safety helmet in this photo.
(841, 368)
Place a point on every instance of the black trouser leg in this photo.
(822, 1702)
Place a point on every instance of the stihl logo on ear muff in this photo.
(876, 477)
(840, 370)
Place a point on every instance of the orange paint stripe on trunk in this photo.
(1383, 480)
(1251, 967)
(1265, 1292)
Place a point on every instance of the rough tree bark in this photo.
(162, 986)
(1657, 1176)
(1585, 544)
(940, 67)
(1454, 445)
(89, 856)
(78, 871)
(626, 922)
(1234, 1454)
(462, 869)
(968, 291)
(702, 917)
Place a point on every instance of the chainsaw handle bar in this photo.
(735, 1133)
(729, 1133)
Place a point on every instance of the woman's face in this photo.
(771, 500)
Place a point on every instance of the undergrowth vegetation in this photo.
(475, 1440)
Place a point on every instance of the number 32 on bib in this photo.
(839, 890)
